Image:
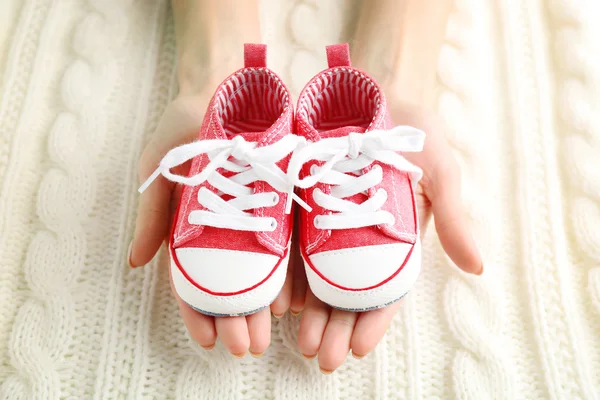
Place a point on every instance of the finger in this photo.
(282, 302)
(370, 328)
(423, 212)
(259, 330)
(152, 222)
(179, 124)
(451, 221)
(336, 340)
(312, 325)
(201, 327)
(157, 208)
(176, 198)
(174, 204)
(233, 333)
(299, 282)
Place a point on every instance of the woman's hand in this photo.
(323, 331)
(180, 124)
(331, 333)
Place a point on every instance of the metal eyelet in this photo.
(273, 223)
(315, 191)
(316, 222)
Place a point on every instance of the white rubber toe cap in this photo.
(224, 272)
(361, 268)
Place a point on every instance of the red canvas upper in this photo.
(334, 103)
(254, 103)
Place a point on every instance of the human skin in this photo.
(404, 61)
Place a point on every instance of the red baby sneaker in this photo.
(230, 241)
(360, 242)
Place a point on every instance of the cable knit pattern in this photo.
(481, 369)
(548, 277)
(43, 328)
(84, 86)
(14, 88)
(577, 35)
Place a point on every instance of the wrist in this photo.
(403, 81)
(401, 71)
(405, 63)
(210, 36)
(196, 74)
(412, 87)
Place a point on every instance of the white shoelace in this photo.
(349, 155)
(249, 164)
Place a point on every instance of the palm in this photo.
(331, 333)
(179, 124)
(323, 331)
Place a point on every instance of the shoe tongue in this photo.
(340, 132)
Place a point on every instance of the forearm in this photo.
(398, 41)
(210, 35)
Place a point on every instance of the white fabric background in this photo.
(83, 85)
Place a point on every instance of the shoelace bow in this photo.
(345, 158)
(248, 164)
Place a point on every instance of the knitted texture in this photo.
(83, 86)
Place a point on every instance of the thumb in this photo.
(451, 220)
(152, 222)
(179, 124)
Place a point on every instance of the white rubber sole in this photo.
(364, 300)
(240, 304)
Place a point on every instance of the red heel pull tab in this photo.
(338, 55)
(255, 55)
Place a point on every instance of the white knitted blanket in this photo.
(83, 85)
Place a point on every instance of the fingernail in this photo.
(129, 255)
(358, 357)
(309, 357)
(278, 316)
(240, 355)
(480, 272)
(256, 355)
(212, 346)
(325, 371)
(294, 313)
